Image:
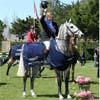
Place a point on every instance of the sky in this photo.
(12, 9)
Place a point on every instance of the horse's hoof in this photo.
(24, 94)
(61, 97)
(33, 94)
(69, 97)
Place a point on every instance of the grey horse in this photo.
(57, 52)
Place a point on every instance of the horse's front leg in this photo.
(59, 82)
(66, 77)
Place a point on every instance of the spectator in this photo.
(95, 58)
(96, 51)
(32, 35)
(83, 59)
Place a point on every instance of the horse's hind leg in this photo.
(41, 69)
(10, 62)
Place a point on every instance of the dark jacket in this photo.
(48, 32)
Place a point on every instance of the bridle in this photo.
(72, 31)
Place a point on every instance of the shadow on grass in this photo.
(48, 95)
(94, 82)
(72, 81)
(1, 84)
(48, 76)
(95, 97)
(15, 77)
(53, 96)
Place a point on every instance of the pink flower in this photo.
(82, 80)
(84, 94)
(87, 79)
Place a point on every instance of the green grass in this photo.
(46, 86)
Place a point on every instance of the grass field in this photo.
(46, 86)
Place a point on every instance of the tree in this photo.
(20, 25)
(84, 13)
(2, 26)
(86, 16)
(61, 12)
(93, 26)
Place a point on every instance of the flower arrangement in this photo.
(84, 95)
(83, 80)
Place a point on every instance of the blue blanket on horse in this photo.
(15, 51)
(33, 52)
(55, 58)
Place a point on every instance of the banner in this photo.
(35, 11)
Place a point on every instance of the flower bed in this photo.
(83, 82)
(84, 95)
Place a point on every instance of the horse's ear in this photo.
(69, 21)
(66, 22)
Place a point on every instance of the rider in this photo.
(32, 35)
(49, 26)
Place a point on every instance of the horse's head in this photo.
(68, 29)
(72, 29)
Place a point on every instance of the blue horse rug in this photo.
(56, 58)
(15, 51)
(33, 54)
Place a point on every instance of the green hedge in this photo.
(0, 45)
(15, 43)
(88, 47)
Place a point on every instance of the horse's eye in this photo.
(71, 26)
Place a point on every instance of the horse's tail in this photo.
(4, 61)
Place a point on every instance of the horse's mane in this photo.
(62, 32)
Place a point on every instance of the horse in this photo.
(76, 56)
(58, 55)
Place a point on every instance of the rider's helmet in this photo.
(44, 4)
